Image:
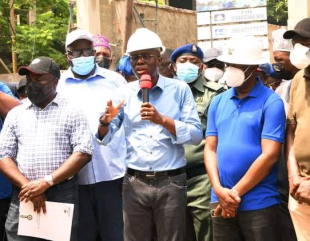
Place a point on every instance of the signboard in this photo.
(228, 31)
(203, 33)
(213, 5)
(240, 15)
(222, 44)
(204, 45)
(203, 18)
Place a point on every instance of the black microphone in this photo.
(145, 84)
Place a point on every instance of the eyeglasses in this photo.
(216, 64)
(78, 53)
(278, 67)
(144, 57)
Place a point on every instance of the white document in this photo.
(54, 225)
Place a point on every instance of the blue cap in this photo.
(268, 69)
(124, 65)
(189, 49)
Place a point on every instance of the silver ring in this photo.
(146, 113)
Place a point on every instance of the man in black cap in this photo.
(43, 144)
(186, 60)
(7, 102)
(298, 130)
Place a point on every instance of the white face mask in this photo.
(235, 77)
(213, 74)
(300, 56)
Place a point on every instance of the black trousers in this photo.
(101, 211)
(4, 208)
(255, 225)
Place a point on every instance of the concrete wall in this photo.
(297, 10)
(176, 27)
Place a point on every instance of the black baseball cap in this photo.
(41, 65)
(302, 29)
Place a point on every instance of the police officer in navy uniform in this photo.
(188, 65)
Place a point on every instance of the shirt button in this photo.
(151, 136)
(151, 153)
(239, 106)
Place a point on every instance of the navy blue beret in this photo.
(192, 49)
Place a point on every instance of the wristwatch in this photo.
(49, 179)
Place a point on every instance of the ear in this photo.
(159, 61)
(55, 83)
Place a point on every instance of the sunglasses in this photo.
(78, 53)
(144, 57)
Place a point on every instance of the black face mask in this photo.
(103, 62)
(38, 93)
(284, 74)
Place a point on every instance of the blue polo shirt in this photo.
(240, 125)
(5, 185)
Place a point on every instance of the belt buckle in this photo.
(151, 176)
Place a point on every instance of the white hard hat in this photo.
(244, 50)
(143, 39)
(279, 43)
(78, 34)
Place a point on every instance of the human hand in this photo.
(294, 182)
(229, 200)
(110, 112)
(32, 189)
(39, 203)
(302, 194)
(149, 112)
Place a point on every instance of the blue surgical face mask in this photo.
(187, 72)
(83, 65)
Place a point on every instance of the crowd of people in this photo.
(217, 150)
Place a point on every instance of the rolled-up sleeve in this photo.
(188, 127)
(8, 139)
(81, 138)
(113, 128)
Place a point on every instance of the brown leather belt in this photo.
(154, 175)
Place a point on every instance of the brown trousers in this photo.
(161, 202)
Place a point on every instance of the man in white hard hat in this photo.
(154, 188)
(90, 87)
(245, 130)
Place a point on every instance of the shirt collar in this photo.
(199, 84)
(256, 90)
(98, 71)
(160, 84)
(28, 104)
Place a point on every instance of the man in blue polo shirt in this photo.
(7, 102)
(245, 131)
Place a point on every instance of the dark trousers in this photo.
(65, 192)
(256, 225)
(160, 202)
(101, 212)
(287, 227)
(4, 207)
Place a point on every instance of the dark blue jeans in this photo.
(255, 225)
(101, 211)
(65, 192)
